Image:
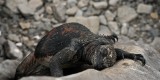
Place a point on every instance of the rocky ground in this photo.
(24, 22)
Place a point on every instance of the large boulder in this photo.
(122, 70)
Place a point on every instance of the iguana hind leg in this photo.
(123, 54)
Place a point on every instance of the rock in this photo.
(100, 5)
(102, 20)
(113, 2)
(83, 3)
(143, 8)
(109, 15)
(13, 4)
(1, 59)
(25, 38)
(2, 40)
(154, 15)
(1, 53)
(30, 43)
(19, 44)
(48, 9)
(124, 29)
(40, 11)
(59, 10)
(91, 23)
(12, 51)
(104, 30)
(0, 33)
(25, 10)
(71, 3)
(14, 37)
(2, 2)
(8, 69)
(30, 8)
(114, 27)
(79, 13)
(156, 43)
(35, 4)
(122, 70)
(71, 11)
(126, 14)
(37, 17)
(131, 32)
(24, 25)
(92, 11)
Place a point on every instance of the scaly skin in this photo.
(71, 45)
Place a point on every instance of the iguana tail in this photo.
(30, 66)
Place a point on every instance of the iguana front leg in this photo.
(63, 57)
(123, 54)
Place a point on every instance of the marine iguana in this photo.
(69, 45)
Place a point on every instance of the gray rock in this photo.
(12, 51)
(131, 32)
(113, 2)
(144, 8)
(37, 17)
(40, 11)
(109, 15)
(8, 69)
(31, 7)
(79, 13)
(71, 3)
(49, 10)
(24, 25)
(103, 20)
(92, 11)
(25, 10)
(1, 53)
(2, 40)
(156, 43)
(34, 4)
(72, 11)
(13, 4)
(100, 5)
(54, 21)
(2, 2)
(0, 33)
(104, 30)
(122, 70)
(14, 37)
(30, 43)
(25, 38)
(1, 59)
(124, 29)
(83, 3)
(126, 14)
(59, 10)
(114, 27)
(91, 23)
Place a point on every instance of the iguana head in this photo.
(104, 56)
